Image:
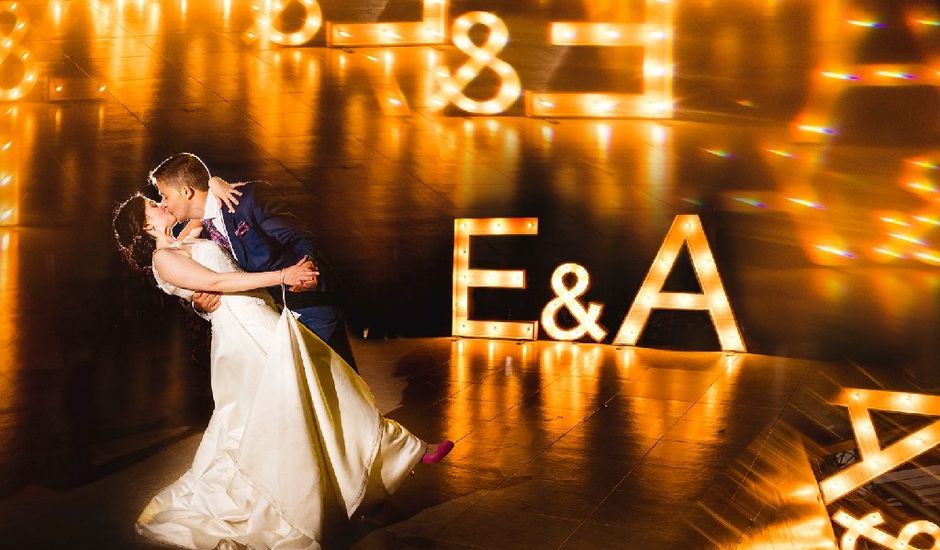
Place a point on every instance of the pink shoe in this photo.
(443, 448)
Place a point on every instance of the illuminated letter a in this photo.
(685, 229)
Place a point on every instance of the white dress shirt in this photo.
(213, 211)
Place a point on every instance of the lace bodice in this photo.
(211, 256)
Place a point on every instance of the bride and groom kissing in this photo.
(295, 439)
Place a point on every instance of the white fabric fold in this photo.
(295, 440)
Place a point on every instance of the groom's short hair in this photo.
(182, 170)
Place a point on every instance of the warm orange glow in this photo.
(607, 34)
(574, 391)
(655, 37)
(685, 230)
(796, 196)
(567, 297)
(876, 460)
(69, 89)
(598, 105)
(12, 46)
(10, 304)
(378, 65)
(451, 86)
(838, 71)
(465, 278)
(432, 29)
(866, 527)
(906, 234)
(10, 191)
(266, 13)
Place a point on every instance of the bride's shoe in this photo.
(443, 448)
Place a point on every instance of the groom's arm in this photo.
(275, 219)
(204, 303)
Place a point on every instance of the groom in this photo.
(262, 235)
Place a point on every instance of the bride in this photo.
(295, 439)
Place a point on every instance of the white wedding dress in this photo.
(295, 439)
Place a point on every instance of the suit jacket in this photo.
(266, 236)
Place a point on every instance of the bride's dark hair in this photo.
(132, 241)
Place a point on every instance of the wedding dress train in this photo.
(294, 440)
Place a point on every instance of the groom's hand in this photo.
(311, 284)
(206, 302)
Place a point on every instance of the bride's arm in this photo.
(192, 229)
(184, 272)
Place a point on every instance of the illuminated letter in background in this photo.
(267, 11)
(876, 460)
(9, 184)
(655, 37)
(839, 26)
(432, 29)
(685, 230)
(464, 277)
(796, 196)
(567, 297)
(906, 234)
(378, 65)
(10, 45)
(856, 529)
(452, 86)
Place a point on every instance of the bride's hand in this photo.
(301, 273)
(310, 284)
(225, 191)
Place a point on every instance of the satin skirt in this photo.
(294, 443)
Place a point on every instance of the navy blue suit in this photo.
(266, 236)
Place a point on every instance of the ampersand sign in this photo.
(267, 11)
(867, 528)
(568, 298)
(452, 86)
(11, 44)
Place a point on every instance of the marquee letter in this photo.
(656, 38)
(464, 278)
(378, 65)
(876, 461)
(267, 11)
(432, 29)
(797, 197)
(837, 70)
(11, 45)
(685, 229)
(907, 233)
